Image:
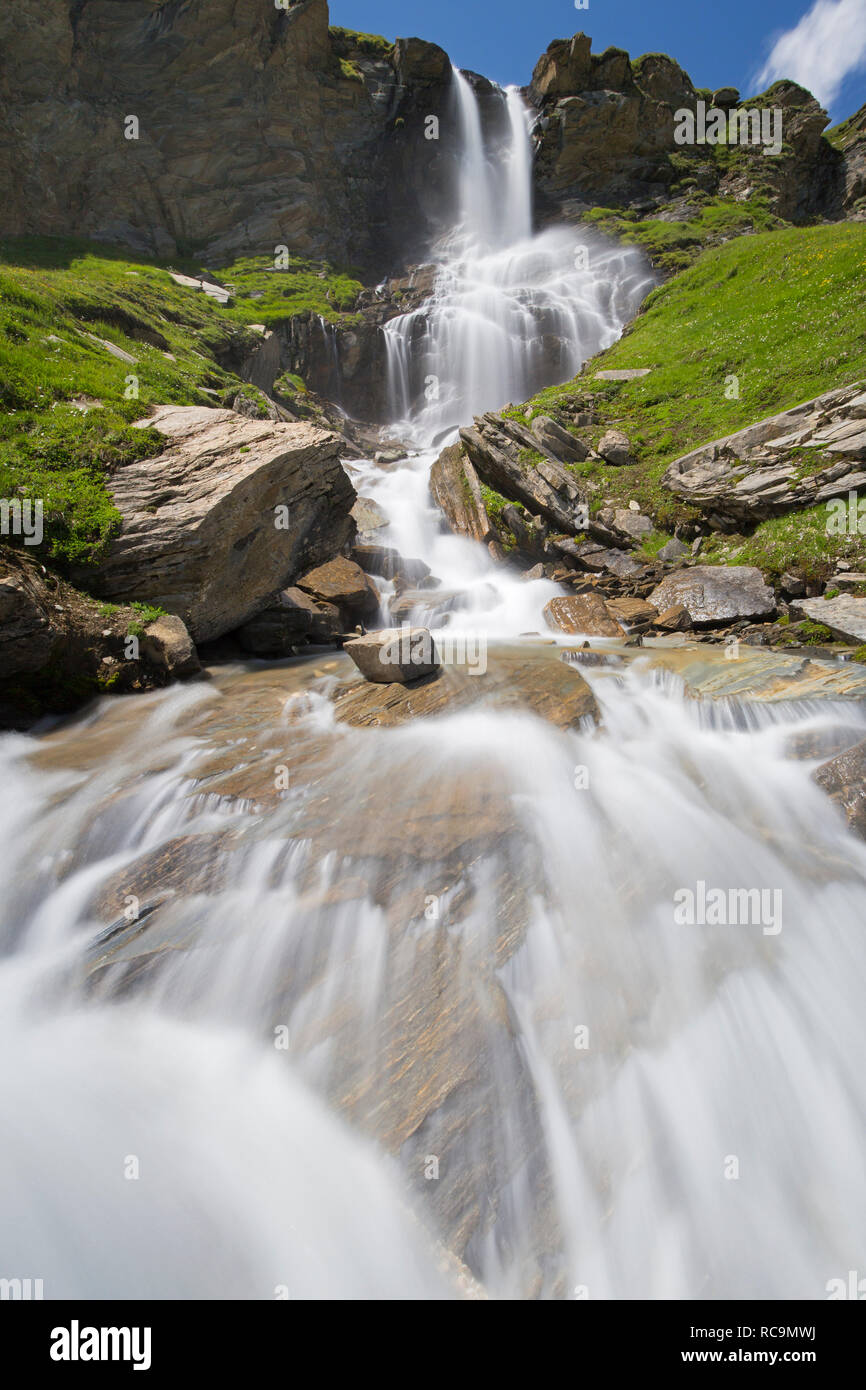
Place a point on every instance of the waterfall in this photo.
(510, 311)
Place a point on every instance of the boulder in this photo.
(368, 516)
(632, 524)
(582, 613)
(844, 780)
(615, 448)
(343, 583)
(715, 595)
(167, 645)
(632, 612)
(513, 461)
(60, 648)
(203, 534)
(845, 615)
(397, 654)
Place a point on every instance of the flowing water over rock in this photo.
(310, 992)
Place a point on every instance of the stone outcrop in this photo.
(716, 595)
(811, 454)
(59, 648)
(508, 457)
(231, 513)
(582, 613)
(605, 138)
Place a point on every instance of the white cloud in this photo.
(828, 43)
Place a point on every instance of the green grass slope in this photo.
(785, 313)
(67, 403)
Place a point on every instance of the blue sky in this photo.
(742, 43)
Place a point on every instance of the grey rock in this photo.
(845, 616)
(715, 595)
(758, 472)
(395, 654)
(673, 550)
(563, 445)
(615, 448)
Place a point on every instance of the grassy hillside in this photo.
(784, 312)
(67, 400)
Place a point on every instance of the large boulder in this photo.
(714, 595)
(230, 513)
(759, 472)
(513, 461)
(290, 624)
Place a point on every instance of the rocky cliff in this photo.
(221, 127)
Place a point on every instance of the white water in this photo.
(303, 1170)
(511, 311)
(705, 1043)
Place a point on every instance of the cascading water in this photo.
(292, 1008)
(511, 312)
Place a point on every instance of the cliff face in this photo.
(260, 127)
(256, 127)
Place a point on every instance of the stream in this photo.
(298, 1008)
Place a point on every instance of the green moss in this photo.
(859, 654)
(350, 40)
(494, 503)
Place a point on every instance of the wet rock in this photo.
(615, 448)
(455, 489)
(582, 613)
(844, 780)
(389, 564)
(343, 583)
(394, 655)
(200, 536)
(536, 682)
(368, 516)
(632, 612)
(845, 616)
(716, 594)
